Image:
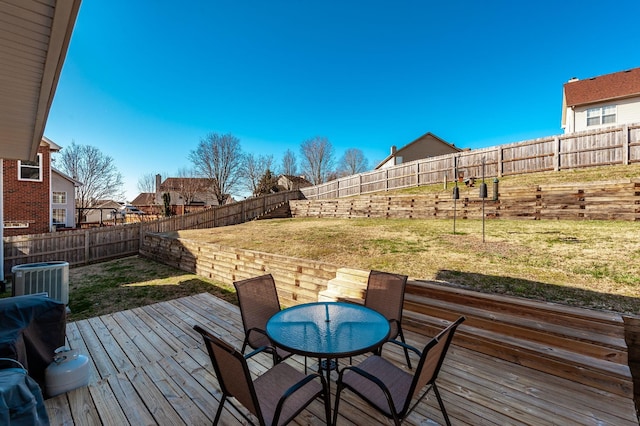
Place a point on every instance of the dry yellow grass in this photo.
(592, 264)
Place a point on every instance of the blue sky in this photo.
(145, 80)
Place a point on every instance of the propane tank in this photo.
(69, 370)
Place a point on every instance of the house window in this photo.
(601, 115)
(59, 197)
(59, 216)
(30, 170)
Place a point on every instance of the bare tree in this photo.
(219, 157)
(100, 178)
(147, 183)
(253, 170)
(189, 185)
(289, 166)
(352, 162)
(317, 159)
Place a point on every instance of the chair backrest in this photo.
(258, 300)
(432, 358)
(385, 294)
(231, 370)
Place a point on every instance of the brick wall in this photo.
(27, 201)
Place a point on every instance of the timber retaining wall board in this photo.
(298, 280)
(619, 200)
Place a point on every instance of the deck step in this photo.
(581, 345)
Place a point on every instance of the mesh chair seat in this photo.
(274, 383)
(397, 381)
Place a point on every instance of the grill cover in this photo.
(32, 327)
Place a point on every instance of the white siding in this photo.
(628, 111)
(60, 184)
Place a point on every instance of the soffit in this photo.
(34, 37)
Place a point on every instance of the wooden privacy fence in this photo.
(608, 146)
(80, 247)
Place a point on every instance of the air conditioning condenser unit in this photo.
(49, 277)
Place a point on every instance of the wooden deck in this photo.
(148, 367)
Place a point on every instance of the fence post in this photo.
(500, 162)
(625, 145)
(360, 184)
(556, 153)
(86, 247)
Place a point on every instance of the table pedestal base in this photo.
(328, 365)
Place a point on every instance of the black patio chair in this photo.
(275, 398)
(391, 389)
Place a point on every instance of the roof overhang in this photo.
(34, 38)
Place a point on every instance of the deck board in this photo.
(148, 366)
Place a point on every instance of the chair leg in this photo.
(406, 351)
(444, 411)
(335, 407)
(217, 418)
(327, 405)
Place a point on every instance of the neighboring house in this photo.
(28, 194)
(102, 211)
(289, 182)
(186, 194)
(427, 145)
(606, 100)
(146, 201)
(63, 201)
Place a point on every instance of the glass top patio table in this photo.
(328, 329)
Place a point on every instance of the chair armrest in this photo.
(256, 351)
(257, 330)
(404, 345)
(372, 379)
(296, 387)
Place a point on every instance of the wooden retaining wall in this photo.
(298, 280)
(619, 200)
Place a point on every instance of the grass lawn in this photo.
(130, 282)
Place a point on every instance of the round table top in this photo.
(328, 329)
